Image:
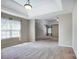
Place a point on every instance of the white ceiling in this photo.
(41, 9)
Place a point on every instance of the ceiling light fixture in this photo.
(28, 6)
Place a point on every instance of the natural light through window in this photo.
(10, 28)
(49, 30)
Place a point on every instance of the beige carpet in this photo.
(45, 49)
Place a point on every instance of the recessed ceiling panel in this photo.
(41, 7)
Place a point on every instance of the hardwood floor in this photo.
(42, 49)
(60, 52)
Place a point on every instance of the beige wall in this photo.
(55, 31)
(24, 32)
(65, 30)
(10, 42)
(32, 30)
(74, 31)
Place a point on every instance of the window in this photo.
(49, 30)
(10, 28)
